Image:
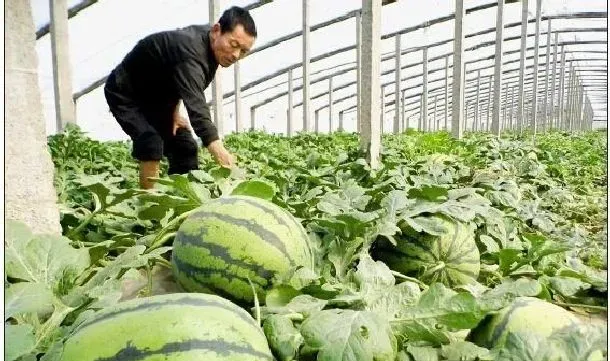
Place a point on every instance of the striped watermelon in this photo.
(233, 239)
(451, 257)
(171, 327)
(525, 314)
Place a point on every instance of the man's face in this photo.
(230, 46)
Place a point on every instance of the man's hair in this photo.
(234, 16)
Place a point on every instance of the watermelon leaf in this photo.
(465, 351)
(343, 335)
(284, 339)
(41, 258)
(418, 353)
(19, 341)
(26, 297)
(260, 188)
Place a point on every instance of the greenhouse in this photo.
(298, 180)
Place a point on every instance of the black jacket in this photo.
(171, 65)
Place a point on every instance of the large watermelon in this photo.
(233, 239)
(525, 314)
(172, 327)
(452, 257)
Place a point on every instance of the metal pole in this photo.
(521, 114)
(436, 120)
(341, 128)
(546, 77)
(446, 110)
(317, 120)
(214, 9)
(252, 118)
(512, 107)
(238, 117)
(403, 115)
(370, 139)
(382, 115)
(306, 67)
(397, 87)
(62, 78)
(424, 111)
(475, 125)
(330, 105)
(562, 84)
(535, 84)
(554, 81)
(489, 108)
(358, 71)
(457, 119)
(495, 125)
(290, 103)
(504, 106)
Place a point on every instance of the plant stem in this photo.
(407, 278)
(593, 307)
(162, 235)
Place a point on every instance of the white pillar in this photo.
(553, 118)
(545, 117)
(397, 67)
(341, 128)
(290, 115)
(424, 110)
(62, 78)
(238, 117)
(214, 11)
(306, 67)
(358, 72)
(535, 78)
(521, 112)
(317, 120)
(446, 110)
(562, 77)
(330, 105)
(370, 139)
(382, 115)
(457, 119)
(497, 108)
(475, 125)
(489, 108)
(252, 118)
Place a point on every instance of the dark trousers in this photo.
(150, 127)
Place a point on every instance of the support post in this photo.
(562, 84)
(238, 117)
(535, 78)
(457, 119)
(497, 107)
(553, 117)
(358, 72)
(290, 121)
(521, 112)
(424, 110)
(252, 118)
(477, 122)
(547, 68)
(62, 78)
(397, 86)
(330, 105)
(370, 139)
(446, 109)
(306, 67)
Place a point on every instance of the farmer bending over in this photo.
(144, 91)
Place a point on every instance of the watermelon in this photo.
(525, 314)
(451, 257)
(172, 327)
(236, 239)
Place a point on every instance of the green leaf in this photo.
(19, 340)
(220, 173)
(521, 346)
(567, 286)
(430, 225)
(491, 246)
(508, 257)
(26, 297)
(465, 351)
(438, 311)
(429, 192)
(345, 335)
(504, 293)
(303, 304)
(42, 258)
(260, 188)
(284, 339)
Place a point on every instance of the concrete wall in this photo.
(29, 192)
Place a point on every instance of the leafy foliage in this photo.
(538, 212)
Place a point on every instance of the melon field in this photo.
(472, 249)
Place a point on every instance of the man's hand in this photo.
(179, 120)
(221, 154)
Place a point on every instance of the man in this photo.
(144, 91)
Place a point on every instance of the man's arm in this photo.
(190, 84)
